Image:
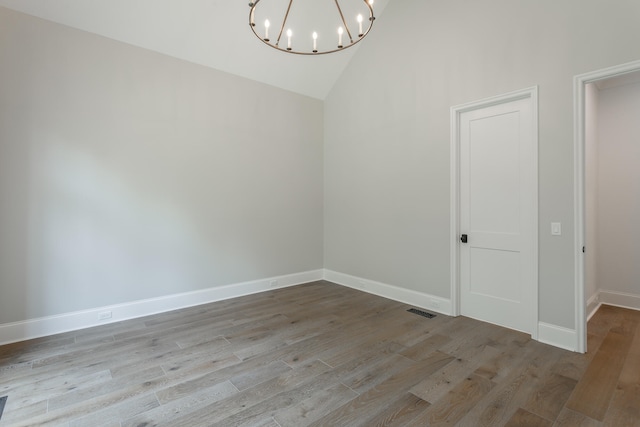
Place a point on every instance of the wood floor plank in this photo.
(431, 343)
(523, 418)
(213, 349)
(324, 346)
(466, 344)
(345, 346)
(70, 407)
(383, 348)
(604, 319)
(166, 414)
(550, 396)
(400, 412)
(506, 360)
(417, 328)
(313, 408)
(12, 415)
(141, 379)
(301, 328)
(11, 372)
(511, 390)
(269, 407)
(194, 363)
(50, 388)
(105, 352)
(436, 386)
(455, 404)
(267, 422)
(261, 374)
(370, 402)
(118, 411)
(569, 418)
(630, 374)
(448, 326)
(593, 392)
(377, 372)
(574, 365)
(625, 404)
(207, 374)
(190, 408)
(20, 352)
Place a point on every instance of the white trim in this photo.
(620, 299)
(615, 298)
(34, 328)
(593, 305)
(579, 83)
(557, 336)
(407, 296)
(456, 112)
(454, 222)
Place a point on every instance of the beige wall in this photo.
(387, 129)
(618, 230)
(126, 175)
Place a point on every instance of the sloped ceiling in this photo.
(214, 33)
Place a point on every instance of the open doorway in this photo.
(607, 191)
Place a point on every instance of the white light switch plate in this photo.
(556, 229)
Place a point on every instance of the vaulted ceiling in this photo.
(213, 33)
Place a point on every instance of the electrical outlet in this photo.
(273, 283)
(435, 303)
(104, 315)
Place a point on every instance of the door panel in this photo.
(497, 183)
(485, 263)
(494, 173)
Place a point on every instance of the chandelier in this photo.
(311, 27)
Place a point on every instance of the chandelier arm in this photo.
(253, 5)
(344, 22)
(284, 22)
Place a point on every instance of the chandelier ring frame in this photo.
(254, 4)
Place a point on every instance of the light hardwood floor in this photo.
(323, 355)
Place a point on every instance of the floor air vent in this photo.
(3, 400)
(422, 313)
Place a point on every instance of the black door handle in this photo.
(463, 238)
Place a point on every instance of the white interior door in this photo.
(498, 193)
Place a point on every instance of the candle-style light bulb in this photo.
(267, 24)
(315, 41)
(289, 34)
(340, 32)
(371, 2)
(359, 18)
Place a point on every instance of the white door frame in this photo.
(579, 122)
(456, 113)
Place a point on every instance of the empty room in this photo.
(331, 213)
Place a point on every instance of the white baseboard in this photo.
(558, 336)
(568, 338)
(35, 328)
(547, 333)
(620, 299)
(407, 296)
(51, 325)
(593, 304)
